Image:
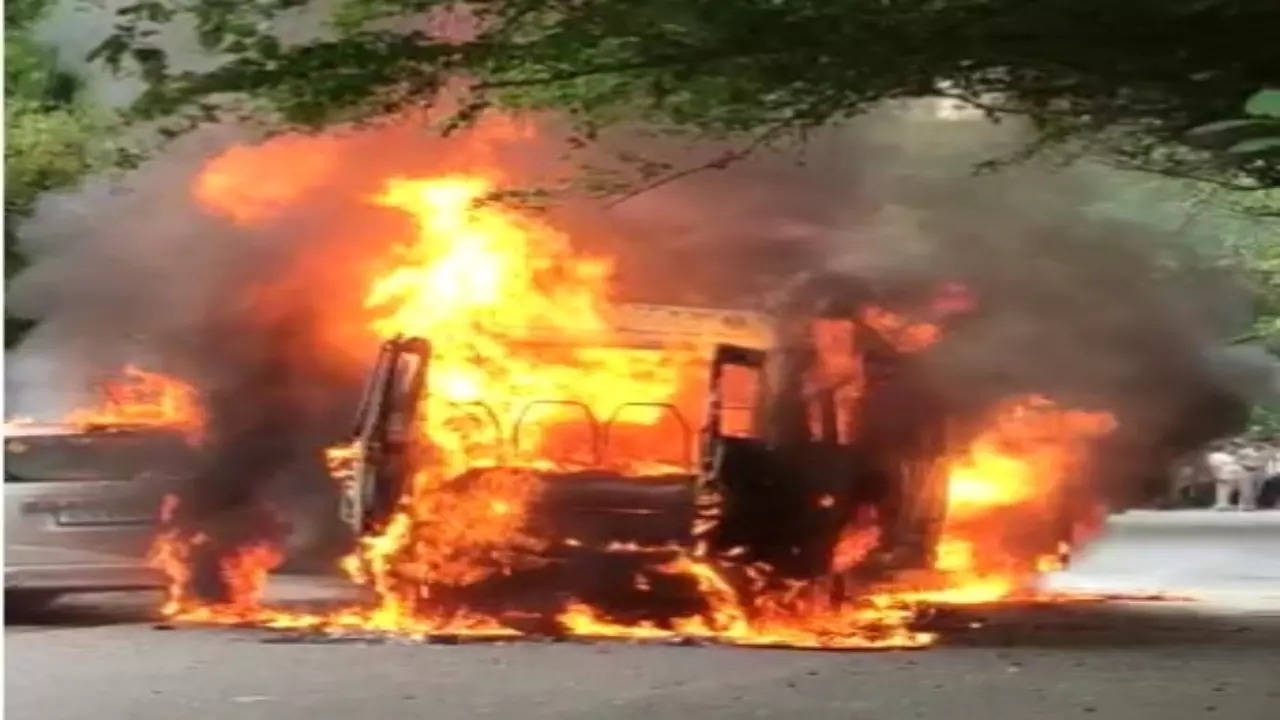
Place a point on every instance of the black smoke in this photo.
(264, 316)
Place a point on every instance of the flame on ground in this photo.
(1018, 475)
(243, 571)
(877, 622)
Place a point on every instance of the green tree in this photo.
(1182, 88)
(50, 136)
(1254, 248)
(1126, 80)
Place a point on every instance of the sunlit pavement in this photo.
(1223, 559)
(102, 657)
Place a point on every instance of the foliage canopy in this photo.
(1127, 80)
(50, 137)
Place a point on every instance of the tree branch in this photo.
(650, 64)
(719, 162)
(1186, 175)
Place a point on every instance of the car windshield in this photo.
(107, 456)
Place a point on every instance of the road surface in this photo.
(100, 657)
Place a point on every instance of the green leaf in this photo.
(212, 35)
(267, 46)
(110, 51)
(151, 60)
(1225, 133)
(1265, 103)
(1222, 126)
(1256, 146)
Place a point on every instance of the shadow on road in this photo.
(1100, 624)
(81, 610)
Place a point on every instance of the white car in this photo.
(81, 506)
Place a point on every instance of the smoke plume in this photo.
(248, 279)
(1077, 303)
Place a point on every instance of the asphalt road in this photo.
(100, 657)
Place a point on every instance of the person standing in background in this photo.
(1253, 461)
(1268, 491)
(1228, 474)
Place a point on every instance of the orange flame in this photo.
(771, 621)
(244, 572)
(904, 335)
(515, 315)
(1010, 482)
(145, 398)
(856, 541)
(282, 172)
(484, 283)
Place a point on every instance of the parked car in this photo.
(81, 506)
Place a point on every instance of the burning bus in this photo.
(531, 455)
(776, 464)
(521, 427)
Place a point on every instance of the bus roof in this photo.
(656, 326)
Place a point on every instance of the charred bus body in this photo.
(809, 424)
